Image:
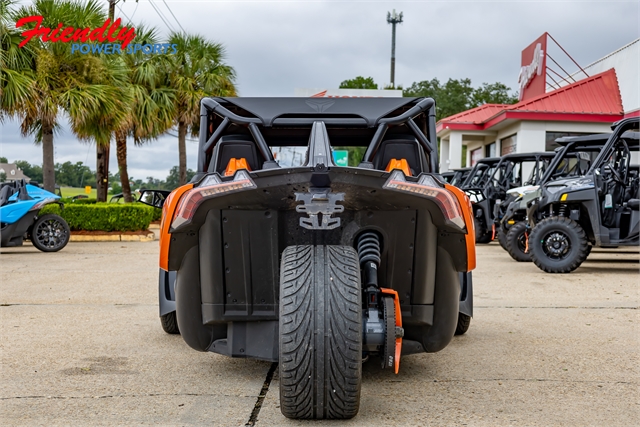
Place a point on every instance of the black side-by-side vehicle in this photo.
(598, 207)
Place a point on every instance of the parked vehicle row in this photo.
(582, 195)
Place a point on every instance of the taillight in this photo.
(41, 203)
(211, 186)
(428, 187)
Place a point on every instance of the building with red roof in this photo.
(573, 107)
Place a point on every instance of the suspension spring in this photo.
(369, 248)
(369, 251)
(562, 209)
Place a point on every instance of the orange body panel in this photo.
(168, 210)
(235, 164)
(467, 214)
(396, 303)
(399, 164)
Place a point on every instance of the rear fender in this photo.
(189, 306)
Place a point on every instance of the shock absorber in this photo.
(381, 333)
(369, 253)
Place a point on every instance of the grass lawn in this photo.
(72, 191)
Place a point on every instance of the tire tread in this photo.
(320, 332)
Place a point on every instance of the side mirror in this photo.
(153, 198)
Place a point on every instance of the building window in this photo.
(550, 143)
(475, 156)
(509, 145)
(490, 150)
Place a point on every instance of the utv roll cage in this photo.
(571, 145)
(259, 120)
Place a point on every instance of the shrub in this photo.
(67, 200)
(104, 216)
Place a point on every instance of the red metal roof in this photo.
(593, 99)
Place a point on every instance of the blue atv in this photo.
(20, 204)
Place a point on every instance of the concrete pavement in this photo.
(82, 345)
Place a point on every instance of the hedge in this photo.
(105, 216)
(157, 213)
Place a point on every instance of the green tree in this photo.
(32, 171)
(16, 64)
(195, 71)
(456, 96)
(151, 109)
(173, 180)
(72, 174)
(3, 177)
(494, 93)
(59, 81)
(4, 160)
(359, 83)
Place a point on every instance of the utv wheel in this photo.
(50, 233)
(558, 245)
(517, 242)
(464, 322)
(502, 238)
(170, 323)
(482, 236)
(320, 332)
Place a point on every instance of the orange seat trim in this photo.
(235, 164)
(399, 164)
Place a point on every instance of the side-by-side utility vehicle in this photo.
(490, 194)
(572, 159)
(317, 267)
(600, 207)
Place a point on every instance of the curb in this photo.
(149, 237)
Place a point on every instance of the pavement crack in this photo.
(263, 393)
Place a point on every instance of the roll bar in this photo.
(211, 106)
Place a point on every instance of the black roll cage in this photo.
(208, 140)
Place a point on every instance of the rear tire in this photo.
(502, 238)
(50, 233)
(558, 245)
(516, 242)
(320, 332)
(170, 323)
(464, 322)
(482, 235)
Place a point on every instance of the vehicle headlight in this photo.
(554, 189)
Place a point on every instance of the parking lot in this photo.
(82, 345)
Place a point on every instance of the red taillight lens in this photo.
(211, 186)
(428, 187)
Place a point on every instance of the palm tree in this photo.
(151, 108)
(61, 81)
(16, 64)
(195, 71)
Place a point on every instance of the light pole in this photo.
(393, 18)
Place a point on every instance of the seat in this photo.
(235, 146)
(6, 192)
(401, 148)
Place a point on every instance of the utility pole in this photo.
(393, 18)
(102, 151)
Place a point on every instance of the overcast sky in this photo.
(276, 47)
